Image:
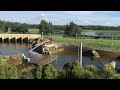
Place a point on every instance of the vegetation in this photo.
(49, 72)
(99, 27)
(92, 72)
(45, 27)
(108, 71)
(71, 29)
(89, 42)
(26, 73)
(6, 25)
(19, 28)
(71, 70)
(39, 72)
(8, 72)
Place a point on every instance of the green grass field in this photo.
(33, 31)
(91, 43)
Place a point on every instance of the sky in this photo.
(106, 18)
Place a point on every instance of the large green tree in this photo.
(45, 27)
(71, 29)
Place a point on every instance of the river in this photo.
(63, 57)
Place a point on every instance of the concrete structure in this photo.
(18, 37)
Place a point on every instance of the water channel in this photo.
(63, 57)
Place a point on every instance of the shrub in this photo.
(8, 72)
(49, 72)
(26, 73)
(94, 71)
(73, 70)
(108, 71)
(39, 73)
(12, 72)
(88, 75)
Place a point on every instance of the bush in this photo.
(49, 72)
(8, 72)
(108, 71)
(26, 73)
(2, 72)
(12, 72)
(116, 76)
(73, 70)
(88, 75)
(39, 73)
(91, 69)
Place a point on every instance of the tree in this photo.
(49, 72)
(67, 30)
(5, 28)
(39, 72)
(73, 70)
(45, 27)
(71, 29)
(19, 28)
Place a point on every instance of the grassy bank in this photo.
(33, 30)
(92, 43)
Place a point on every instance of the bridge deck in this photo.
(32, 36)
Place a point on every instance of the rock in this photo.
(20, 62)
(113, 64)
(94, 53)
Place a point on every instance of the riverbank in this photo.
(90, 43)
(87, 51)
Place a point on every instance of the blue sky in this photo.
(110, 18)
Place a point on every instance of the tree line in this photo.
(48, 28)
(16, 27)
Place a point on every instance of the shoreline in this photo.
(113, 54)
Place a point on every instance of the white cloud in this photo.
(44, 17)
(79, 17)
(64, 17)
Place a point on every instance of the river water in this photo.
(63, 57)
(105, 34)
(94, 33)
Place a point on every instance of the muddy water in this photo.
(62, 57)
(72, 55)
